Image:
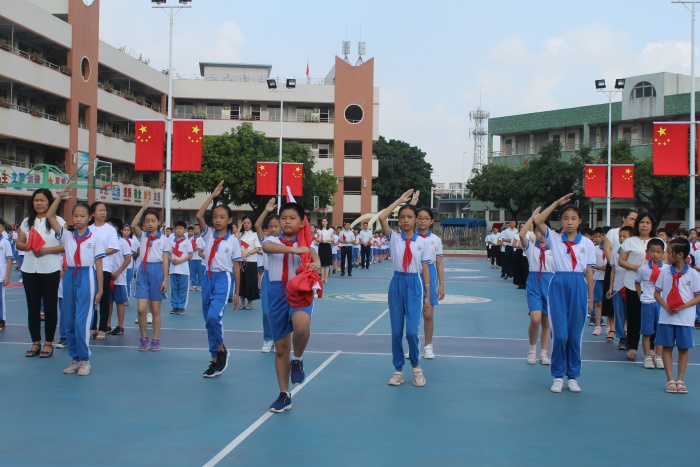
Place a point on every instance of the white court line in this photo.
(251, 429)
(373, 322)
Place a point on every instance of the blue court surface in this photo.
(482, 405)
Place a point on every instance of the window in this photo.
(255, 112)
(541, 140)
(354, 113)
(235, 111)
(324, 151)
(273, 113)
(571, 141)
(304, 114)
(214, 110)
(522, 144)
(643, 89)
(352, 185)
(509, 147)
(325, 115)
(184, 110)
(353, 149)
(494, 215)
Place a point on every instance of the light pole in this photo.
(464, 155)
(600, 87)
(171, 11)
(272, 86)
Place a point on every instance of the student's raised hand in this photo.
(406, 197)
(270, 205)
(65, 193)
(564, 199)
(240, 224)
(414, 198)
(146, 203)
(218, 189)
(536, 212)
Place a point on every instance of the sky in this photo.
(434, 61)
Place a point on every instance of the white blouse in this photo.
(47, 263)
(325, 235)
(249, 238)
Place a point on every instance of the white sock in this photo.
(544, 352)
(296, 358)
(533, 348)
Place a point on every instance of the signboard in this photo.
(82, 178)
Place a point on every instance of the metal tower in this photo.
(478, 134)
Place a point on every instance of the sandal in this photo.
(33, 352)
(632, 355)
(611, 336)
(680, 385)
(671, 387)
(44, 353)
(100, 336)
(249, 306)
(93, 334)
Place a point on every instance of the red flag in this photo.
(595, 181)
(307, 70)
(293, 177)
(35, 242)
(187, 145)
(150, 142)
(670, 149)
(623, 181)
(267, 179)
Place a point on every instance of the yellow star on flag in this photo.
(297, 169)
(195, 129)
(143, 129)
(590, 171)
(662, 131)
(627, 171)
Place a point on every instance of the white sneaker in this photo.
(406, 355)
(573, 385)
(428, 351)
(193, 288)
(531, 358)
(267, 346)
(418, 378)
(658, 362)
(649, 362)
(557, 385)
(136, 321)
(544, 359)
(72, 369)
(396, 379)
(149, 318)
(84, 369)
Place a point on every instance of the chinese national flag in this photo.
(187, 145)
(595, 181)
(623, 181)
(670, 149)
(293, 177)
(150, 142)
(266, 183)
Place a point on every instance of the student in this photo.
(152, 277)
(250, 246)
(347, 240)
(62, 341)
(82, 283)
(677, 291)
(617, 291)
(355, 248)
(180, 270)
(647, 275)
(268, 224)
(314, 236)
(507, 240)
(117, 289)
(693, 238)
(222, 256)
(540, 264)
(5, 271)
(136, 253)
(569, 291)
(436, 289)
(196, 272)
(409, 289)
(598, 278)
(125, 233)
(110, 240)
(335, 246)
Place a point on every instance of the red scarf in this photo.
(244, 244)
(694, 245)
(655, 271)
(408, 255)
(570, 250)
(674, 299)
(149, 240)
(76, 256)
(542, 249)
(194, 244)
(285, 261)
(176, 248)
(128, 241)
(214, 249)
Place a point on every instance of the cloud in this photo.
(227, 44)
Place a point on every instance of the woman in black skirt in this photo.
(325, 238)
(250, 246)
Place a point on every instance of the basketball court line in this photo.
(373, 322)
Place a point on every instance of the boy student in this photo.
(196, 271)
(180, 270)
(617, 291)
(117, 289)
(598, 277)
(347, 239)
(336, 248)
(677, 291)
(5, 270)
(355, 248)
(647, 275)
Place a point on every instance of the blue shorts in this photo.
(672, 335)
(650, 318)
(279, 311)
(148, 282)
(598, 291)
(433, 284)
(336, 256)
(118, 295)
(537, 291)
(261, 269)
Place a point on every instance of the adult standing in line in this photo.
(365, 239)
(325, 253)
(41, 271)
(507, 238)
(492, 239)
(250, 246)
(347, 239)
(520, 265)
(632, 256)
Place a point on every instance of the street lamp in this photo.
(272, 86)
(171, 11)
(600, 87)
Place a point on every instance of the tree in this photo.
(657, 193)
(401, 166)
(549, 178)
(500, 185)
(621, 153)
(232, 157)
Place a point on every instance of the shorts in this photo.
(673, 335)
(598, 291)
(536, 291)
(261, 269)
(336, 256)
(118, 295)
(279, 311)
(650, 318)
(148, 282)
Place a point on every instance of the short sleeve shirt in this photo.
(435, 244)
(420, 252)
(688, 286)
(533, 254)
(47, 263)
(118, 259)
(583, 249)
(637, 254)
(110, 239)
(643, 277)
(160, 246)
(5, 253)
(227, 251)
(90, 249)
(274, 262)
(185, 248)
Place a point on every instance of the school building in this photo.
(514, 140)
(68, 99)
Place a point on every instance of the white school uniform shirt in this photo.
(90, 249)
(600, 260)
(334, 248)
(533, 257)
(509, 235)
(118, 259)
(688, 286)
(47, 263)
(228, 251)
(108, 235)
(357, 244)
(197, 243)
(5, 252)
(325, 235)
(619, 280)
(637, 254)
(642, 277)
(185, 247)
(172, 237)
(251, 239)
(274, 262)
(614, 236)
(435, 244)
(420, 249)
(158, 248)
(583, 249)
(383, 243)
(15, 236)
(314, 242)
(500, 239)
(132, 250)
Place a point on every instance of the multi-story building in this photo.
(66, 98)
(645, 99)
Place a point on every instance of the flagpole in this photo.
(279, 167)
(608, 192)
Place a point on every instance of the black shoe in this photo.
(697, 324)
(520, 287)
(622, 345)
(342, 274)
(222, 361)
(211, 371)
(118, 331)
(62, 344)
(349, 275)
(333, 270)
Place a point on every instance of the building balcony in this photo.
(323, 163)
(33, 125)
(117, 104)
(293, 129)
(352, 202)
(115, 147)
(35, 72)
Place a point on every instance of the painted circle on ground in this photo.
(383, 298)
(460, 270)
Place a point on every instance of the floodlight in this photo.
(271, 84)
(619, 83)
(185, 2)
(291, 83)
(600, 84)
(158, 2)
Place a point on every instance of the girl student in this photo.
(436, 291)
(290, 327)
(125, 234)
(250, 246)
(271, 223)
(82, 282)
(222, 256)
(540, 265)
(152, 277)
(409, 294)
(569, 291)
(325, 250)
